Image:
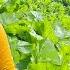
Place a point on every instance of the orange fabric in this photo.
(6, 60)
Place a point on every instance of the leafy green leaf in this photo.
(47, 49)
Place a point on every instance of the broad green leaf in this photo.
(65, 51)
(59, 31)
(24, 47)
(47, 49)
(14, 45)
(38, 37)
(49, 31)
(37, 15)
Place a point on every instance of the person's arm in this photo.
(6, 60)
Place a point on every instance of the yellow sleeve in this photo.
(6, 60)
